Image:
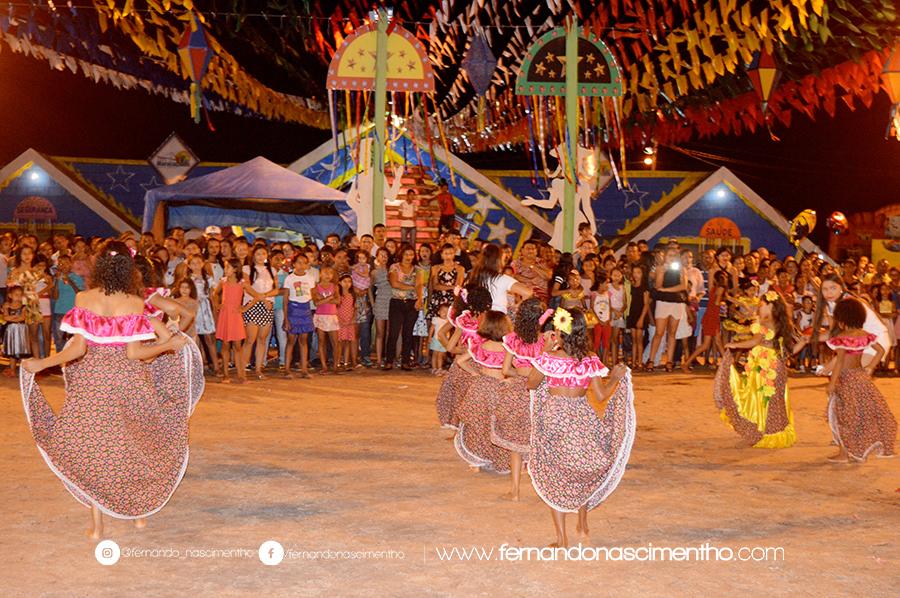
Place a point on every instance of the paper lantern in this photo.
(837, 223)
(195, 54)
(802, 225)
(479, 65)
(764, 74)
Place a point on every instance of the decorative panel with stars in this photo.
(408, 66)
(543, 72)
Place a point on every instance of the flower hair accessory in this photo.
(562, 321)
(113, 253)
(772, 296)
(545, 316)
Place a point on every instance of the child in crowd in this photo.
(638, 313)
(67, 285)
(347, 320)
(44, 288)
(205, 322)
(230, 326)
(618, 307)
(408, 219)
(361, 274)
(298, 319)
(327, 296)
(600, 305)
(185, 294)
(16, 343)
(438, 352)
(803, 321)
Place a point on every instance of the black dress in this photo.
(636, 307)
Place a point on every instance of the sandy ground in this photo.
(357, 463)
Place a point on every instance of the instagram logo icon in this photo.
(107, 552)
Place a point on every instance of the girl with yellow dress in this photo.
(753, 397)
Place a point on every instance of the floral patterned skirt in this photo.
(120, 441)
(452, 391)
(860, 419)
(511, 420)
(577, 458)
(473, 437)
(761, 423)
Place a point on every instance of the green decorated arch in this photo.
(543, 71)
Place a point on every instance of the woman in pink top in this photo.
(577, 459)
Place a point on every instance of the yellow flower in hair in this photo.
(562, 321)
(755, 328)
(770, 334)
(772, 296)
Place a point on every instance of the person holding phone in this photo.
(671, 296)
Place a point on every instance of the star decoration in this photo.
(402, 54)
(120, 179)
(540, 69)
(410, 65)
(499, 231)
(483, 204)
(590, 58)
(152, 183)
(361, 52)
(634, 196)
(600, 69)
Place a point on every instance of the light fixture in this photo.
(649, 150)
(721, 193)
(648, 160)
(34, 176)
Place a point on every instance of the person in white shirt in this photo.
(408, 219)
(298, 321)
(487, 274)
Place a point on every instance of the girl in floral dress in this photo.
(483, 359)
(860, 419)
(346, 312)
(469, 305)
(753, 400)
(511, 420)
(577, 458)
(120, 441)
(26, 276)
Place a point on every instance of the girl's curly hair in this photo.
(575, 343)
(479, 299)
(114, 270)
(527, 324)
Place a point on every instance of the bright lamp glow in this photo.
(35, 175)
(648, 160)
(721, 193)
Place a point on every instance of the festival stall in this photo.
(257, 193)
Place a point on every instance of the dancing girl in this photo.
(860, 419)
(577, 458)
(120, 442)
(754, 400)
(511, 421)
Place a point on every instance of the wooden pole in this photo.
(571, 144)
(379, 116)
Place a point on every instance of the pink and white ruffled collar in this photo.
(107, 330)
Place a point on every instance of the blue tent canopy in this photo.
(255, 193)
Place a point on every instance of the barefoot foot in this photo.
(140, 523)
(840, 457)
(94, 533)
(513, 496)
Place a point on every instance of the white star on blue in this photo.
(634, 196)
(120, 179)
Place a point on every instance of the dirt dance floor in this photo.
(351, 475)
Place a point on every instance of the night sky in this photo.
(842, 163)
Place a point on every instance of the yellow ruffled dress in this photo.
(754, 402)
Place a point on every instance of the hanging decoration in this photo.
(764, 74)
(547, 71)
(479, 65)
(195, 54)
(802, 225)
(891, 77)
(837, 223)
